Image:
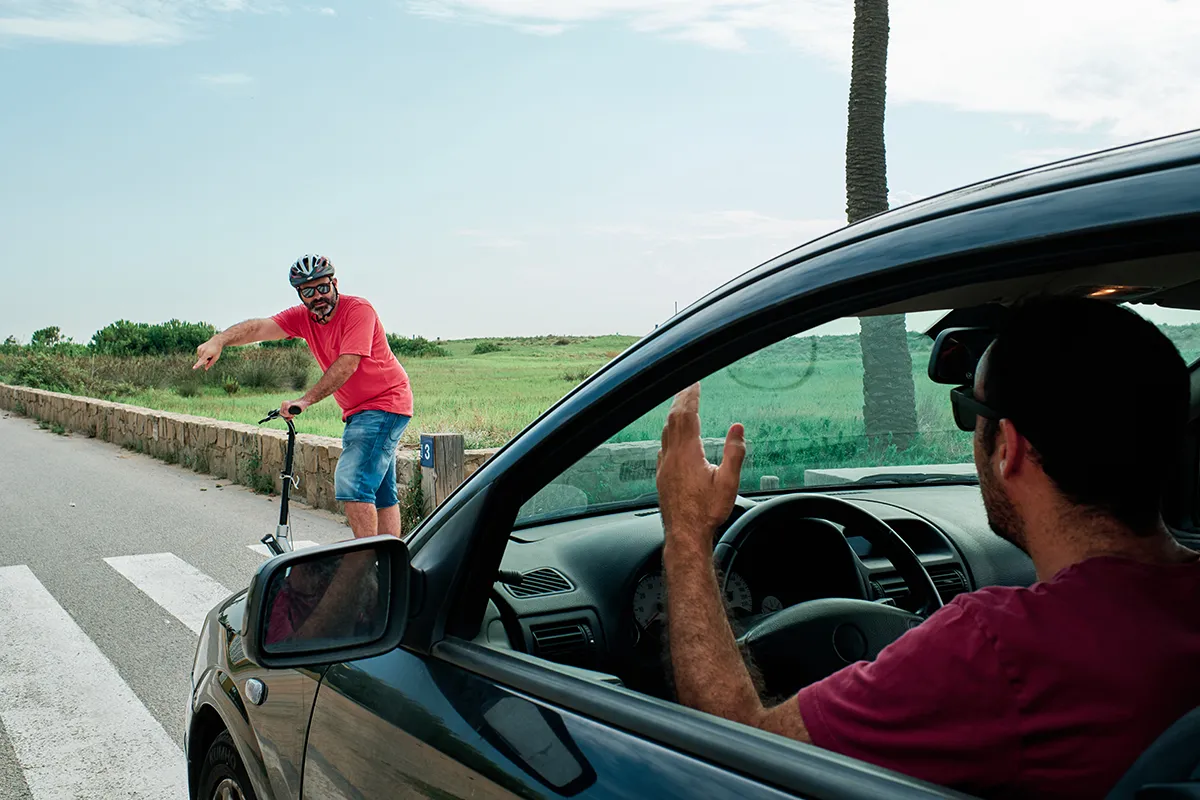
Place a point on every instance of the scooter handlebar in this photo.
(274, 413)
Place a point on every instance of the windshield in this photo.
(801, 401)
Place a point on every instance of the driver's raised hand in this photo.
(695, 496)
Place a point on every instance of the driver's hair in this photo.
(1100, 393)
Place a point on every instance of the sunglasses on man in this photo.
(967, 409)
(308, 291)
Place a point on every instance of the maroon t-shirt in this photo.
(1048, 691)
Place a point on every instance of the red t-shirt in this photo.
(1048, 691)
(379, 383)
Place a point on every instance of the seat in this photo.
(1169, 769)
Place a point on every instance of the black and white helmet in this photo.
(310, 268)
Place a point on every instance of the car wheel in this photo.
(222, 776)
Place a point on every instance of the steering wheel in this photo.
(808, 641)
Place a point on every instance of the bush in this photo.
(47, 337)
(483, 348)
(261, 374)
(38, 371)
(56, 374)
(281, 344)
(231, 387)
(415, 347)
(125, 338)
(188, 389)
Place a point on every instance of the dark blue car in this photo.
(512, 646)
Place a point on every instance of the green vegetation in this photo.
(800, 400)
(253, 476)
(412, 503)
(415, 347)
(125, 338)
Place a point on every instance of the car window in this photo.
(801, 402)
(1182, 327)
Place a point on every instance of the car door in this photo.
(413, 726)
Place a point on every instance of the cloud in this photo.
(328, 12)
(1128, 68)
(113, 22)
(226, 79)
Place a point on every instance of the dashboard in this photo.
(591, 595)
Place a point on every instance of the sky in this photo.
(512, 167)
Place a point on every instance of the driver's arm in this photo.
(929, 705)
(696, 498)
(709, 672)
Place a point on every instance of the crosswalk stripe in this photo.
(76, 727)
(299, 544)
(184, 591)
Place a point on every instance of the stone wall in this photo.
(246, 454)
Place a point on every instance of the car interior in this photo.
(580, 588)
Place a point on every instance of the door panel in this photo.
(404, 725)
(280, 723)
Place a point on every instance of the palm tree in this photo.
(889, 398)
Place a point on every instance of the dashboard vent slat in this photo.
(948, 580)
(540, 582)
(565, 643)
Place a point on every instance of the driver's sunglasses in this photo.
(967, 409)
(309, 291)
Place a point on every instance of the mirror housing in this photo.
(956, 353)
(328, 604)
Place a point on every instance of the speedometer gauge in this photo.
(648, 601)
(737, 593)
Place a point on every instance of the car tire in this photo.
(222, 775)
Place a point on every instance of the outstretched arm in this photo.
(248, 332)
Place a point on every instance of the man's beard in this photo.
(322, 309)
(1001, 516)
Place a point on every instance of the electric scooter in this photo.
(280, 541)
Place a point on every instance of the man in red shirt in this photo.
(1079, 411)
(347, 339)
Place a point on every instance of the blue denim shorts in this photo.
(366, 471)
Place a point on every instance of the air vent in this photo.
(565, 642)
(949, 581)
(539, 582)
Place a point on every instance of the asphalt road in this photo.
(108, 559)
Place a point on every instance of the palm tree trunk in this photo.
(889, 398)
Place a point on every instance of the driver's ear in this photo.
(1012, 449)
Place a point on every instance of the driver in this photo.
(1079, 409)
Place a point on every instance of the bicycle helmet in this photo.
(310, 268)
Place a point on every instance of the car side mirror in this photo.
(956, 353)
(328, 604)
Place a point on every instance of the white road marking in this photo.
(184, 591)
(299, 544)
(76, 727)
